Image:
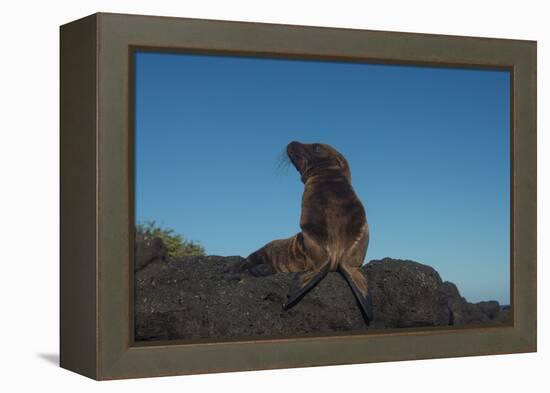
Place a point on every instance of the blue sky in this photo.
(428, 149)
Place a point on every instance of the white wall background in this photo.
(29, 193)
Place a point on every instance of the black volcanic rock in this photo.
(192, 298)
(490, 308)
(405, 294)
(147, 249)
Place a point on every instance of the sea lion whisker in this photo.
(283, 162)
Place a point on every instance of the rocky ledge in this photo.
(192, 298)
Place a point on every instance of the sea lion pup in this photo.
(335, 233)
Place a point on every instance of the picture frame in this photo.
(96, 195)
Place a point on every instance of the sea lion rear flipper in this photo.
(303, 283)
(361, 289)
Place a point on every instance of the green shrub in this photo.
(176, 244)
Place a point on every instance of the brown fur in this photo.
(335, 233)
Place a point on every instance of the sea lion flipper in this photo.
(253, 264)
(361, 289)
(238, 267)
(262, 269)
(303, 283)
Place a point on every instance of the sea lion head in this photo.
(313, 159)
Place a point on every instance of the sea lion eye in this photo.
(316, 148)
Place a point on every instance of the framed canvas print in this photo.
(240, 196)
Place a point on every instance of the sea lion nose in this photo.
(292, 146)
